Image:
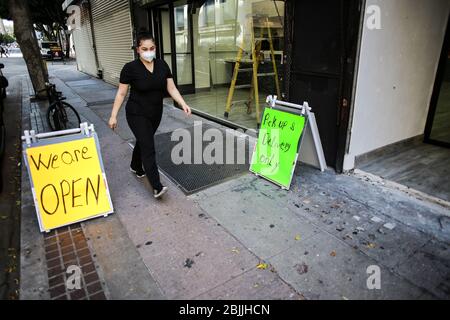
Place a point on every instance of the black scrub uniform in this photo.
(144, 112)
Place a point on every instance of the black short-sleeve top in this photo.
(147, 89)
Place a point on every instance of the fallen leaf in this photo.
(188, 263)
(262, 266)
(333, 253)
(298, 237)
(302, 268)
(336, 206)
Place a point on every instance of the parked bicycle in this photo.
(60, 114)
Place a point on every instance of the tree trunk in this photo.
(26, 37)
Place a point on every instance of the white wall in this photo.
(397, 71)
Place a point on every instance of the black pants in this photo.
(144, 154)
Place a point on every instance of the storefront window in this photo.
(180, 19)
(226, 33)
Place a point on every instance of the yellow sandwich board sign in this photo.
(68, 180)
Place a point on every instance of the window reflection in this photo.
(220, 29)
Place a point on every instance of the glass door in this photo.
(173, 32)
(202, 41)
(182, 33)
(161, 28)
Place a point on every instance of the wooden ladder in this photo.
(255, 61)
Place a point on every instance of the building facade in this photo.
(368, 68)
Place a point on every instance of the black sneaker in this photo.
(158, 193)
(140, 173)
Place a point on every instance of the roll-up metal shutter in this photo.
(84, 45)
(113, 35)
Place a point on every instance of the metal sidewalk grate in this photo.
(192, 178)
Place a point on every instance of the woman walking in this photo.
(149, 79)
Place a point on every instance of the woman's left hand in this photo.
(187, 110)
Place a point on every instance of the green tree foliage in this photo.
(7, 39)
(46, 15)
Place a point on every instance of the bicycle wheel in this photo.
(62, 116)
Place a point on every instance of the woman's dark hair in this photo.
(143, 36)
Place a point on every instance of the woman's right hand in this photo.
(113, 123)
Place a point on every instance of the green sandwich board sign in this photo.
(276, 152)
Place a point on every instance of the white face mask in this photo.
(148, 55)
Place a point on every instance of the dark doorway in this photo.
(437, 131)
(322, 38)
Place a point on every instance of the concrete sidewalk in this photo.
(317, 240)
